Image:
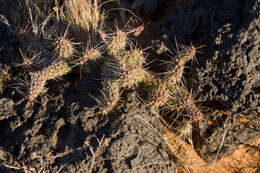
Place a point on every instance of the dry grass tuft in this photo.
(176, 145)
(245, 159)
(86, 15)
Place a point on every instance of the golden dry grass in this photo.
(86, 15)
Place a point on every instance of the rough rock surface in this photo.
(66, 131)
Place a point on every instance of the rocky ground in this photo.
(64, 133)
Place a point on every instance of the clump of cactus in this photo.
(162, 86)
(121, 64)
(177, 64)
(183, 101)
(180, 101)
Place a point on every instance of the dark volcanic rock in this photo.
(134, 137)
(141, 147)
